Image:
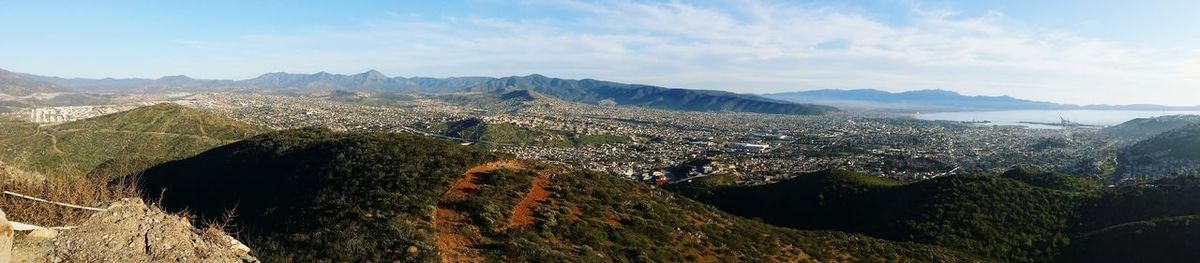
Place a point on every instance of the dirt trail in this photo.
(141, 132)
(54, 143)
(202, 131)
(454, 246)
(522, 214)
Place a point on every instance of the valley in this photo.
(586, 131)
(517, 175)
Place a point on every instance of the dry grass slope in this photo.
(136, 138)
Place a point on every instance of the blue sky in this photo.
(1087, 52)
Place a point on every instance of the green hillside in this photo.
(474, 129)
(1158, 240)
(1145, 128)
(1023, 215)
(1172, 153)
(1051, 180)
(1181, 144)
(126, 141)
(1151, 222)
(1162, 198)
(995, 217)
(315, 195)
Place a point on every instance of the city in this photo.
(758, 148)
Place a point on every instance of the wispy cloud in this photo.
(747, 47)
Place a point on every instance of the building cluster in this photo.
(53, 115)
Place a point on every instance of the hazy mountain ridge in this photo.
(585, 91)
(934, 99)
(604, 92)
(1145, 128)
(14, 84)
(126, 84)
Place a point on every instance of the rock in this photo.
(238, 246)
(6, 239)
(131, 231)
(42, 233)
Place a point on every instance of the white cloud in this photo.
(746, 47)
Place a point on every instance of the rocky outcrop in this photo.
(6, 239)
(131, 231)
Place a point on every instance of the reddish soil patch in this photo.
(453, 245)
(522, 214)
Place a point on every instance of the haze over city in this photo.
(1080, 52)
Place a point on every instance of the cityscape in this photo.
(471, 131)
(758, 148)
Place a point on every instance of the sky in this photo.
(1081, 52)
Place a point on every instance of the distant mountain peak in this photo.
(372, 75)
(537, 76)
(932, 92)
(273, 74)
(176, 77)
(926, 99)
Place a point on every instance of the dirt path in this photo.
(54, 143)
(202, 131)
(522, 214)
(453, 245)
(140, 132)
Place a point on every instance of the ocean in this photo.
(1017, 117)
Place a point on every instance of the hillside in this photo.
(1173, 152)
(13, 84)
(120, 142)
(128, 230)
(1022, 215)
(1161, 198)
(1145, 128)
(975, 214)
(1151, 222)
(315, 195)
(1157, 240)
(478, 130)
(1051, 180)
(503, 133)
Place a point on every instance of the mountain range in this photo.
(587, 91)
(939, 100)
(14, 84)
